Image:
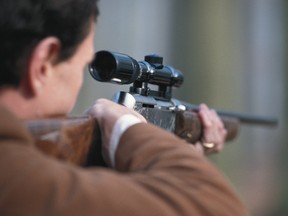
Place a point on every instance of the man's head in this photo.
(42, 38)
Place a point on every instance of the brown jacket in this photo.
(153, 177)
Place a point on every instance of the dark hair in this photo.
(23, 23)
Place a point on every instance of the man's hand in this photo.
(107, 114)
(214, 134)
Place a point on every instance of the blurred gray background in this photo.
(233, 54)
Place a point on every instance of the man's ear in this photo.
(40, 65)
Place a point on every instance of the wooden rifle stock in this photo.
(77, 140)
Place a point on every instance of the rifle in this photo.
(77, 139)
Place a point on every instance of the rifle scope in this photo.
(122, 69)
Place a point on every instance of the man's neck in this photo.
(13, 100)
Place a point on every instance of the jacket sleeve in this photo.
(156, 174)
(173, 176)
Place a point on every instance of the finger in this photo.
(214, 131)
(216, 119)
(222, 132)
(209, 133)
(218, 125)
(204, 115)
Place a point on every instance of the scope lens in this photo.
(103, 66)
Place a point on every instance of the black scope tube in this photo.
(122, 69)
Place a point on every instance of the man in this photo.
(45, 46)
